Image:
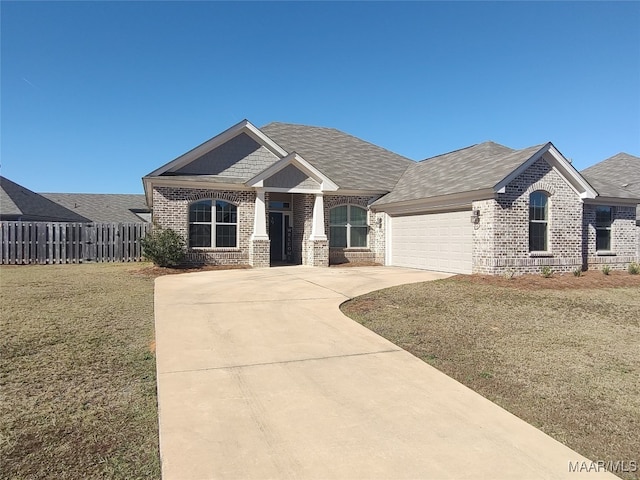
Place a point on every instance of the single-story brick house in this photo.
(297, 194)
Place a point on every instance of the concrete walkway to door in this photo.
(261, 376)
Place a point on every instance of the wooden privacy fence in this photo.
(47, 242)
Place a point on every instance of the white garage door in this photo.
(437, 241)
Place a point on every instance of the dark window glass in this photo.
(199, 235)
(200, 211)
(603, 239)
(538, 206)
(338, 236)
(358, 237)
(225, 235)
(537, 237)
(538, 222)
(202, 222)
(226, 212)
(604, 219)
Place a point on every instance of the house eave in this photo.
(190, 181)
(632, 202)
(443, 202)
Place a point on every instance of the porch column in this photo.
(317, 228)
(260, 217)
(259, 250)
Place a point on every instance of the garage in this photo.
(435, 241)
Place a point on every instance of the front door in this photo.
(276, 236)
(279, 234)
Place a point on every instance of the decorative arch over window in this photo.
(348, 226)
(213, 224)
(538, 222)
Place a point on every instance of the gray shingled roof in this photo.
(104, 207)
(473, 168)
(20, 203)
(617, 176)
(348, 161)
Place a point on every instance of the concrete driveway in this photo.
(260, 376)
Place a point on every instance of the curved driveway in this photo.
(260, 376)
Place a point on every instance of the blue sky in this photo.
(96, 95)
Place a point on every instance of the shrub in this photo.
(546, 271)
(164, 247)
(634, 268)
(577, 272)
(606, 269)
(509, 274)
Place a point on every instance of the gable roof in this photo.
(20, 203)
(104, 207)
(352, 163)
(485, 168)
(477, 167)
(617, 176)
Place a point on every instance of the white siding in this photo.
(436, 241)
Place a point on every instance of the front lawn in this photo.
(77, 373)
(561, 353)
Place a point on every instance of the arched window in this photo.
(538, 222)
(348, 226)
(213, 223)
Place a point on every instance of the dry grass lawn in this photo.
(77, 373)
(563, 354)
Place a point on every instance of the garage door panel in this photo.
(438, 241)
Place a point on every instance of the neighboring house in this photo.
(18, 203)
(105, 207)
(615, 177)
(315, 196)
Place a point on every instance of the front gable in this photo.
(556, 161)
(293, 174)
(240, 141)
(240, 157)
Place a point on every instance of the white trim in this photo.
(388, 244)
(245, 126)
(317, 226)
(326, 184)
(260, 217)
(558, 163)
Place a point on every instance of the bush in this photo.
(606, 269)
(546, 271)
(577, 272)
(634, 268)
(164, 247)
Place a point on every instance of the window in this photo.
(604, 219)
(213, 223)
(538, 222)
(348, 227)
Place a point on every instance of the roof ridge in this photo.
(467, 148)
(342, 132)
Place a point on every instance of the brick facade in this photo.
(624, 239)
(501, 238)
(374, 252)
(171, 210)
